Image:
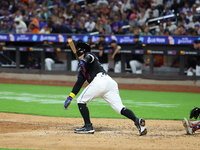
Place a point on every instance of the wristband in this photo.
(72, 95)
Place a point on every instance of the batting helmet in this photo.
(82, 48)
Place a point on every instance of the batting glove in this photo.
(67, 102)
(81, 63)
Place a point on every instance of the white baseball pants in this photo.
(102, 86)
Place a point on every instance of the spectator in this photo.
(194, 33)
(160, 30)
(60, 28)
(20, 26)
(133, 21)
(98, 24)
(4, 27)
(90, 25)
(44, 13)
(146, 31)
(106, 26)
(186, 8)
(170, 26)
(18, 15)
(150, 23)
(189, 15)
(136, 61)
(45, 30)
(177, 31)
(168, 3)
(101, 2)
(74, 28)
(12, 6)
(33, 26)
(116, 25)
(104, 9)
(181, 17)
(143, 16)
(32, 62)
(154, 10)
(183, 30)
(176, 7)
(187, 24)
(126, 5)
(194, 22)
(42, 22)
(116, 6)
(197, 28)
(116, 56)
(166, 12)
(125, 20)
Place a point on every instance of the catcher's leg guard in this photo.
(187, 126)
(196, 125)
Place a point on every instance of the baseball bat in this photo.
(73, 48)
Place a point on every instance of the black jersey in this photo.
(91, 68)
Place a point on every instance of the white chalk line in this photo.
(68, 131)
(59, 99)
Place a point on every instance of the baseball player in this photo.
(100, 85)
(137, 61)
(116, 56)
(192, 126)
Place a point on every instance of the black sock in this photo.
(129, 114)
(84, 112)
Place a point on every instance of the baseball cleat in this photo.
(86, 129)
(141, 127)
(186, 124)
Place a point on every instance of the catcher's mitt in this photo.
(194, 113)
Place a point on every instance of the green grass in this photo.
(48, 101)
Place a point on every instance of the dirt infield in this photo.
(38, 132)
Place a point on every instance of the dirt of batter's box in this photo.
(38, 132)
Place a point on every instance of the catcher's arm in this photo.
(195, 113)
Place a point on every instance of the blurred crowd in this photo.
(126, 17)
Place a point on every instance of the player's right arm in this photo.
(74, 92)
